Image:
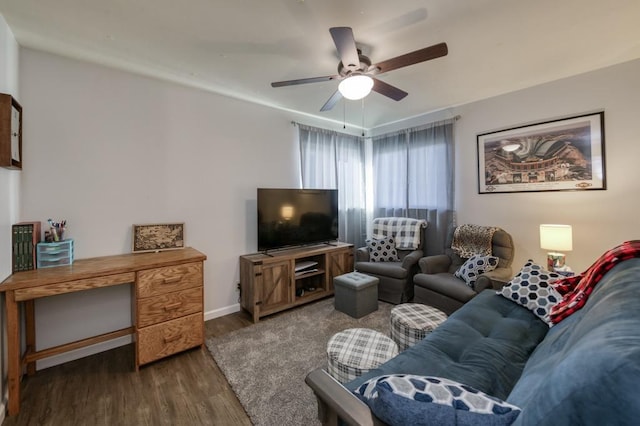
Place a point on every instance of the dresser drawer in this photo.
(168, 338)
(165, 307)
(152, 282)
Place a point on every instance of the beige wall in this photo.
(105, 149)
(9, 187)
(600, 219)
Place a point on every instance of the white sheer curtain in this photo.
(413, 177)
(332, 160)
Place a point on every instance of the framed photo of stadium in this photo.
(557, 155)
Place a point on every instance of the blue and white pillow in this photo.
(383, 250)
(531, 288)
(475, 266)
(406, 399)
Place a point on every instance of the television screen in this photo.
(289, 217)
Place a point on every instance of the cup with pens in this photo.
(56, 229)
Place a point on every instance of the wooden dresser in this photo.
(167, 301)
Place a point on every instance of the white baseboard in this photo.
(3, 405)
(220, 312)
(83, 352)
(115, 343)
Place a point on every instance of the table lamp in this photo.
(556, 239)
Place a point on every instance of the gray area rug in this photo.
(266, 363)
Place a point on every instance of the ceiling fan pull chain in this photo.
(362, 117)
(344, 114)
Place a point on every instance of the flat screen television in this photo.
(294, 217)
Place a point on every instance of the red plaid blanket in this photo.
(575, 290)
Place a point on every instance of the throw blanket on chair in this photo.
(575, 290)
(405, 231)
(469, 240)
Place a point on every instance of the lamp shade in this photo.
(356, 86)
(556, 237)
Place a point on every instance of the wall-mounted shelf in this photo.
(10, 132)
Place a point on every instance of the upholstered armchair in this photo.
(444, 284)
(393, 265)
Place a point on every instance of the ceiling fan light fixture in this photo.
(356, 86)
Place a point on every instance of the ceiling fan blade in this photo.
(346, 45)
(332, 101)
(388, 90)
(421, 55)
(304, 81)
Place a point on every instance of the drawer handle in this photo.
(171, 280)
(172, 306)
(172, 338)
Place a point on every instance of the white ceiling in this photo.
(238, 47)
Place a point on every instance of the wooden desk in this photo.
(167, 298)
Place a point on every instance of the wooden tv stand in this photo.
(269, 283)
(167, 299)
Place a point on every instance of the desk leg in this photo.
(30, 332)
(13, 350)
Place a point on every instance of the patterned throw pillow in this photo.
(532, 288)
(475, 266)
(405, 399)
(383, 250)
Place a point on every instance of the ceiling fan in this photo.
(356, 73)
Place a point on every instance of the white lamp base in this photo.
(555, 262)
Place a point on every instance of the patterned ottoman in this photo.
(356, 294)
(355, 351)
(411, 322)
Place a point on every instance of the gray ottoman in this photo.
(355, 351)
(411, 322)
(356, 294)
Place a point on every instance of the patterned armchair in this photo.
(392, 256)
(450, 280)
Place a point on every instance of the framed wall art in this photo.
(158, 237)
(557, 155)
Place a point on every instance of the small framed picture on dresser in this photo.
(158, 237)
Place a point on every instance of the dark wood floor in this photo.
(103, 389)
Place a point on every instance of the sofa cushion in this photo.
(407, 399)
(382, 250)
(475, 266)
(586, 371)
(445, 284)
(382, 269)
(531, 288)
(484, 345)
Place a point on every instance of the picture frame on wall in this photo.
(158, 237)
(556, 155)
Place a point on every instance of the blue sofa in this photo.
(583, 371)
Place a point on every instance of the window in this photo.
(413, 177)
(332, 160)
